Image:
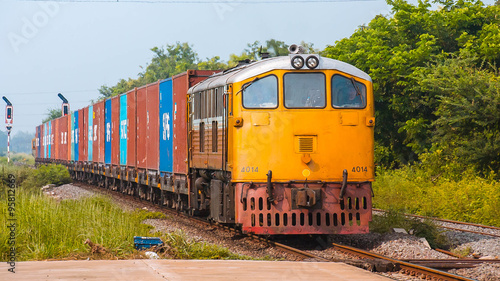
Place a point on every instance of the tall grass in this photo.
(52, 229)
(49, 229)
(467, 197)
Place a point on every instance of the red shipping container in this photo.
(142, 127)
(38, 136)
(153, 127)
(181, 84)
(43, 143)
(98, 145)
(115, 130)
(131, 128)
(63, 137)
(83, 124)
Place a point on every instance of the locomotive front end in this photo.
(301, 146)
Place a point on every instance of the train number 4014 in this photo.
(359, 169)
(249, 169)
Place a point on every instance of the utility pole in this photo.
(9, 118)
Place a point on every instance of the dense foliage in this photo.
(179, 57)
(416, 190)
(435, 81)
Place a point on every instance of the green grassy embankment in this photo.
(51, 229)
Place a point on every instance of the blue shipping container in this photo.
(166, 114)
(76, 136)
(50, 140)
(71, 147)
(123, 130)
(91, 132)
(107, 132)
(45, 140)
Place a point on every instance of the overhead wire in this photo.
(197, 1)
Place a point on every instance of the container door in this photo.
(75, 138)
(123, 130)
(166, 130)
(115, 131)
(90, 135)
(107, 133)
(132, 128)
(142, 128)
(153, 127)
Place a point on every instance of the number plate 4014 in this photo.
(359, 169)
(250, 169)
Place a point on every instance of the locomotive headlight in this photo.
(312, 62)
(297, 62)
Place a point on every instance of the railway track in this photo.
(409, 268)
(458, 225)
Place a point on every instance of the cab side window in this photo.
(347, 92)
(262, 93)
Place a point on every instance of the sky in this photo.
(74, 48)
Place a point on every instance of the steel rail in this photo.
(451, 263)
(405, 267)
(455, 222)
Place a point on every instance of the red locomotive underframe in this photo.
(258, 216)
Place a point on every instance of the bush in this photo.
(415, 189)
(51, 174)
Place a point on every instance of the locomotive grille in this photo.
(306, 144)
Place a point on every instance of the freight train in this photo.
(282, 145)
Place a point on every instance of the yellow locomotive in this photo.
(284, 146)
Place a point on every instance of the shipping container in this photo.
(83, 131)
(131, 128)
(63, 137)
(38, 141)
(115, 131)
(57, 139)
(153, 127)
(98, 149)
(107, 132)
(181, 84)
(71, 144)
(75, 137)
(45, 144)
(166, 131)
(90, 133)
(123, 130)
(142, 127)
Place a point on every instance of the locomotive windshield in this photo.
(348, 93)
(305, 90)
(262, 93)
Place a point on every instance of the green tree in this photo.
(468, 116)
(52, 114)
(274, 47)
(166, 62)
(397, 51)
(213, 63)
